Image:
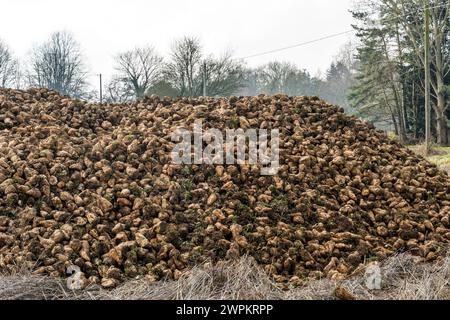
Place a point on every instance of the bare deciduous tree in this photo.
(184, 69)
(274, 77)
(118, 91)
(138, 70)
(58, 65)
(8, 67)
(188, 70)
(224, 76)
(282, 77)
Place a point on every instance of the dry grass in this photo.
(403, 277)
(438, 155)
(238, 280)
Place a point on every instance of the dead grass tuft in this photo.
(236, 280)
(403, 277)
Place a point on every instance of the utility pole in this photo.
(427, 80)
(101, 88)
(204, 78)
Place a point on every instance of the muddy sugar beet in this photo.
(94, 186)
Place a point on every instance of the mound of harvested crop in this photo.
(94, 186)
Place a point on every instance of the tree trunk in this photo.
(394, 120)
(441, 121)
(441, 118)
(398, 106)
(395, 125)
(415, 108)
(404, 112)
(442, 131)
(401, 124)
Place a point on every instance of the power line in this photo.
(298, 45)
(326, 37)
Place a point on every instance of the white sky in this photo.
(105, 27)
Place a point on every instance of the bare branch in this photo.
(58, 65)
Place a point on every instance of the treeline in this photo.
(57, 64)
(381, 78)
(390, 77)
(187, 71)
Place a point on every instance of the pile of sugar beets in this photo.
(94, 186)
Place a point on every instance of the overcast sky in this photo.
(105, 27)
